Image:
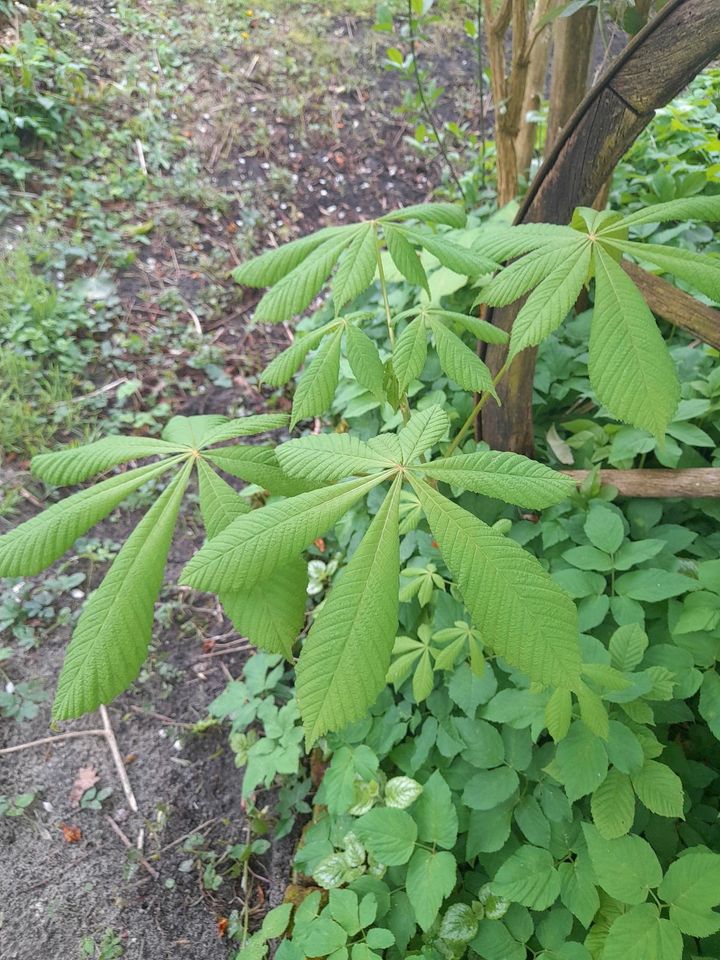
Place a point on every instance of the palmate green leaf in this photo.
(523, 615)
(459, 362)
(330, 456)
(613, 806)
(505, 476)
(450, 214)
(271, 614)
(281, 369)
(409, 353)
(689, 208)
(423, 430)
(76, 464)
(346, 655)
(691, 887)
(405, 258)
(38, 542)
(316, 388)
(701, 271)
(643, 935)
(365, 362)
(480, 329)
(524, 274)
(357, 267)
(112, 636)
(296, 290)
(244, 427)
(506, 243)
(259, 465)
(626, 868)
(631, 370)
(551, 301)
(219, 503)
(272, 266)
(252, 547)
(191, 431)
(462, 260)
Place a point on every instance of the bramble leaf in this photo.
(691, 887)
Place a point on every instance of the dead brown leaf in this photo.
(86, 777)
(71, 834)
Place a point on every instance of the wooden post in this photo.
(658, 63)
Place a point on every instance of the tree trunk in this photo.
(659, 62)
(572, 54)
(534, 87)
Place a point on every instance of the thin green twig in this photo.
(483, 399)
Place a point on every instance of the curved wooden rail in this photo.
(662, 59)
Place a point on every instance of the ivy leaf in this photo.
(296, 290)
(450, 214)
(423, 430)
(691, 887)
(346, 655)
(435, 813)
(503, 475)
(459, 362)
(409, 353)
(219, 503)
(330, 456)
(316, 387)
(388, 834)
(75, 464)
(252, 547)
(365, 362)
(626, 868)
(522, 613)
(613, 806)
(404, 257)
(551, 301)
(659, 788)
(430, 878)
(528, 877)
(357, 267)
(271, 614)
(272, 266)
(38, 542)
(112, 636)
(643, 935)
(630, 367)
(282, 367)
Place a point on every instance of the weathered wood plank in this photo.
(690, 483)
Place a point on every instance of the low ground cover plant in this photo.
(532, 786)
